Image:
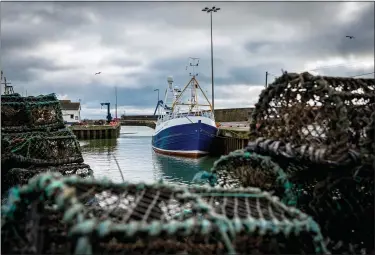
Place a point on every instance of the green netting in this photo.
(22, 114)
(244, 169)
(21, 176)
(55, 215)
(40, 149)
(34, 139)
(340, 199)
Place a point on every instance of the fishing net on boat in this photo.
(40, 149)
(22, 114)
(55, 215)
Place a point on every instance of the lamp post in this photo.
(210, 11)
(158, 93)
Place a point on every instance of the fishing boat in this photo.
(184, 128)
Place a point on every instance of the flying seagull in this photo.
(98, 73)
(350, 36)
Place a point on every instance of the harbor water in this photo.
(136, 159)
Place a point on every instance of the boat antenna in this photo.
(193, 62)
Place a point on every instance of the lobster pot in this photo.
(315, 112)
(358, 95)
(245, 169)
(368, 144)
(40, 149)
(20, 176)
(70, 215)
(23, 114)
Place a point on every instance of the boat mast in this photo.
(7, 89)
(194, 86)
(193, 62)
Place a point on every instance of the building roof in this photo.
(69, 105)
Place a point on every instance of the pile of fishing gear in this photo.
(34, 139)
(303, 185)
(312, 145)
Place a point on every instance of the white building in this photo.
(71, 111)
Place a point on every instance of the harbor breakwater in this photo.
(221, 115)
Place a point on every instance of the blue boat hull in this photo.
(191, 140)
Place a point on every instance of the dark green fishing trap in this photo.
(22, 114)
(56, 215)
(244, 169)
(21, 176)
(34, 139)
(40, 148)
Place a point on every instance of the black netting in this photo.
(22, 114)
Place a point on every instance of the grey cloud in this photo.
(328, 43)
(28, 24)
(120, 62)
(25, 68)
(319, 34)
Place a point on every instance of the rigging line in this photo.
(361, 74)
(189, 119)
(118, 166)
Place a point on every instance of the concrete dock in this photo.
(231, 136)
(87, 132)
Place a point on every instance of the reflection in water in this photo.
(100, 145)
(137, 160)
(177, 169)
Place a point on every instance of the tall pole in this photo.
(116, 103)
(266, 78)
(212, 70)
(211, 10)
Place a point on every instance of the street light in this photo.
(158, 93)
(210, 11)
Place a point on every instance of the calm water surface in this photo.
(137, 160)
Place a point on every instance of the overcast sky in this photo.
(57, 47)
